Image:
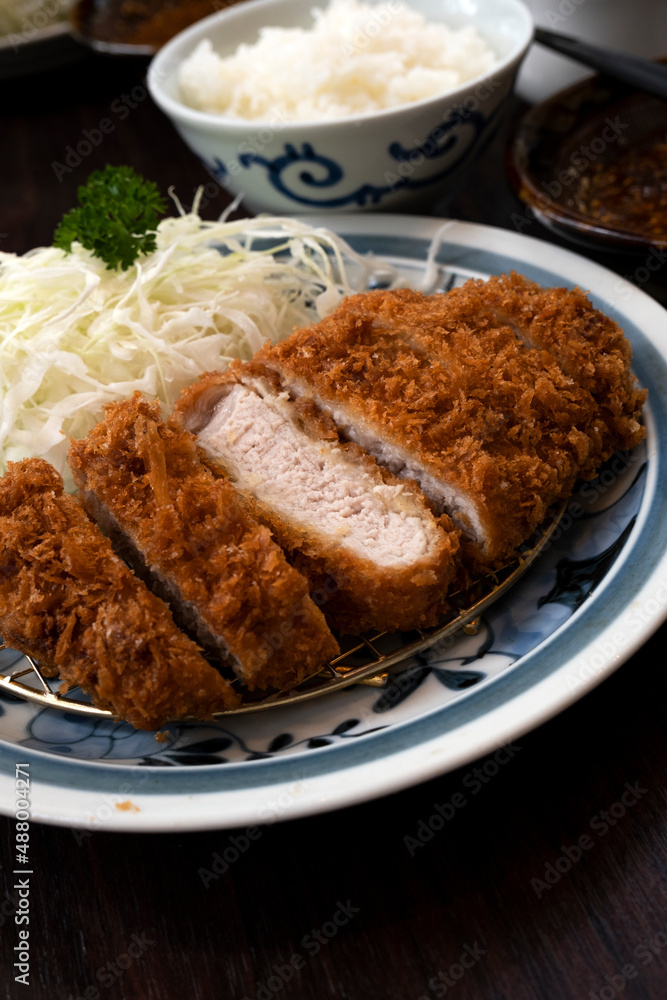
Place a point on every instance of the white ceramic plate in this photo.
(586, 605)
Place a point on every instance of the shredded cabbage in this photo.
(75, 335)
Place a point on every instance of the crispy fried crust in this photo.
(194, 534)
(354, 593)
(535, 404)
(588, 345)
(422, 407)
(67, 600)
(441, 378)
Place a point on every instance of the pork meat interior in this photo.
(442, 391)
(367, 541)
(188, 534)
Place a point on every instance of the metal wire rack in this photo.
(368, 659)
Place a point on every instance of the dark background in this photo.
(129, 916)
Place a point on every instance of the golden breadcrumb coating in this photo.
(357, 593)
(67, 600)
(495, 397)
(196, 537)
(422, 407)
(536, 405)
(447, 382)
(588, 345)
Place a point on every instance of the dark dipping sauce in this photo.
(630, 192)
(145, 22)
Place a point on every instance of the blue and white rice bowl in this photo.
(411, 156)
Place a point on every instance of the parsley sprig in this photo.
(116, 218)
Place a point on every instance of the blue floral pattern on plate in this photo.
(580, 554)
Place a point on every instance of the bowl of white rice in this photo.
(326, 105)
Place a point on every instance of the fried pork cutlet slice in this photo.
(493, 431)
(188, 534)
(588, 345)
(535, 405)
(67, 600)
(430, 422)
(368, 542)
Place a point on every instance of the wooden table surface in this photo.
(336, 905)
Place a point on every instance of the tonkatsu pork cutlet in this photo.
(493, 431)
(563, 324)
(67, 600)
(188, 534)
(526, 393)
(368, 542)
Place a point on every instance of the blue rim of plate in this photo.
(626, 607)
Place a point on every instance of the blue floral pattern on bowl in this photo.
(316, 171)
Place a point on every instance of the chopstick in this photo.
(635, 70)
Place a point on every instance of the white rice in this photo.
(357, 58)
